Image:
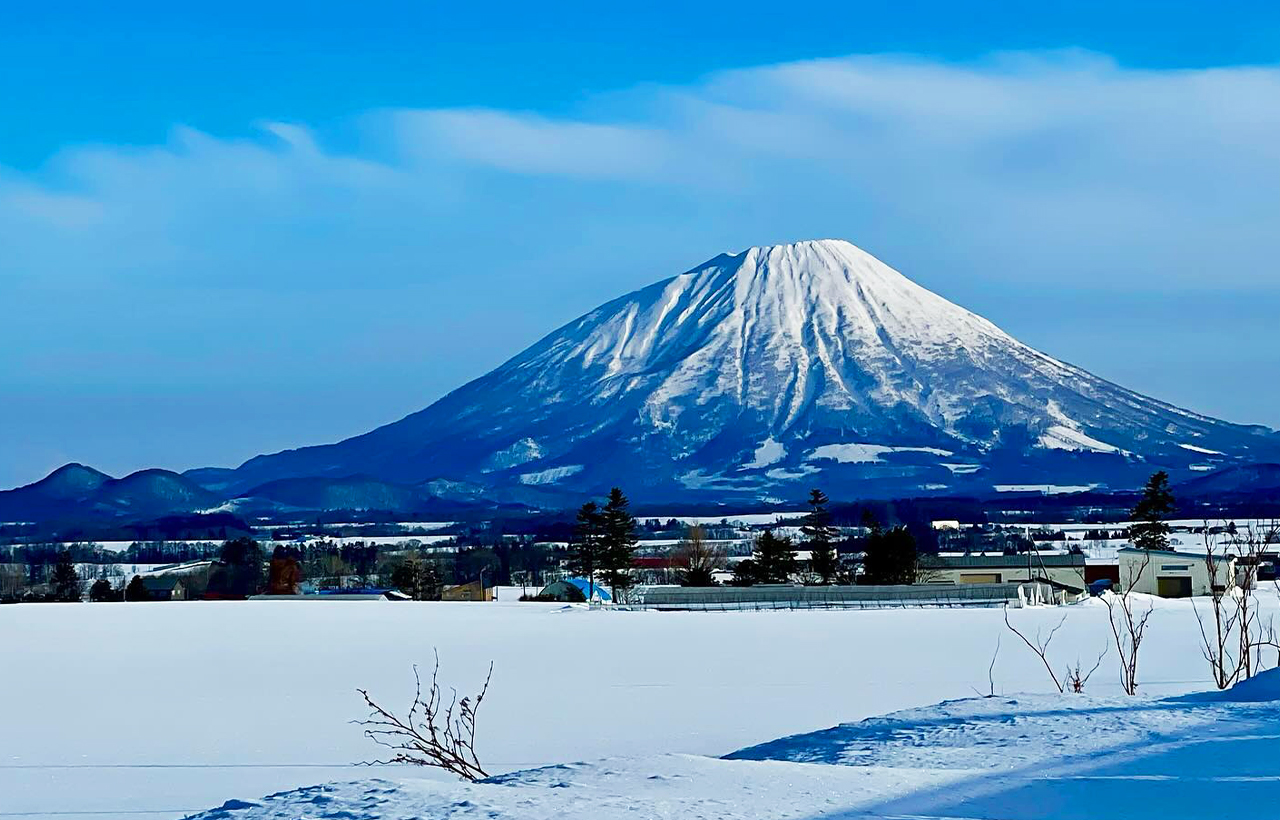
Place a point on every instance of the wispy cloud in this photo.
(1021, 171)
(1021, 158)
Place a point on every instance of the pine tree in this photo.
(890, 556)
(775, 558)
(240, 573)
(618, 534)
(819, 536)
(586, 547)
(416, 577)
(136, 591)
(745, 573)
(101, 591)
(65, 580)
(1152, 533)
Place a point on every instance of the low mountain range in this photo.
(750, 378)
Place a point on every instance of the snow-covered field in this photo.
(129, 710)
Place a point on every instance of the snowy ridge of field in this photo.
(1028, 757)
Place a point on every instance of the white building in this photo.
(1172, 574)
(1065, 570)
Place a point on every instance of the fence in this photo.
(785, 596)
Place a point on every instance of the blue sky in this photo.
(232, 228)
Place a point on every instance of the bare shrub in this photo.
(432, 733)
(1077, 678)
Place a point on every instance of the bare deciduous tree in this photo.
(1129, 624)
(1233, 634)
(432, 733)
(696, 559)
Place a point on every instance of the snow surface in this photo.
(550, 476)
(1033, 757)
(769, 452)
(1046, 489)
(1193, 448)
(867, 453)
(1059, 437)
(174, 708)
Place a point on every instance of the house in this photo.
(1171, 574)
(1064, 570)
(474, 591)
(165, 587)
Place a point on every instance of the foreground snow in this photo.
(163, 710)
(1022, 758)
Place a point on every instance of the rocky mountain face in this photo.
(759, 374)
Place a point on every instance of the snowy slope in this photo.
(1005, 758)
(753, 373)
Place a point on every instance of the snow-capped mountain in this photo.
(760, 373)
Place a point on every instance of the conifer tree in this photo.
(1152, 532)
(101, 591)
(587, 545)
(819, 537)
(65, 580)
(774, 557)
(890, 556)
(618, 532)
(136, 591)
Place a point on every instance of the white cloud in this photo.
(1042, 164)
(268, 258)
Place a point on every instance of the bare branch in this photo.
(426, 736)
(1040, 646)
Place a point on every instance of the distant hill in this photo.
(76, 490)
(1250, 479)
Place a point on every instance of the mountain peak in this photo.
(71, 480)
(776, 368)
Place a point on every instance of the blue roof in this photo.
(584, 586)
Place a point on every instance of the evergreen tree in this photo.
(1152, 532)
(136, 591)
(587, 545)
(65, 581)
(820, 537)
(775, 558)
(889, 556)
(241, 571)
(101, 591)
(417, 578)
(745, 573)
(618, 536)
